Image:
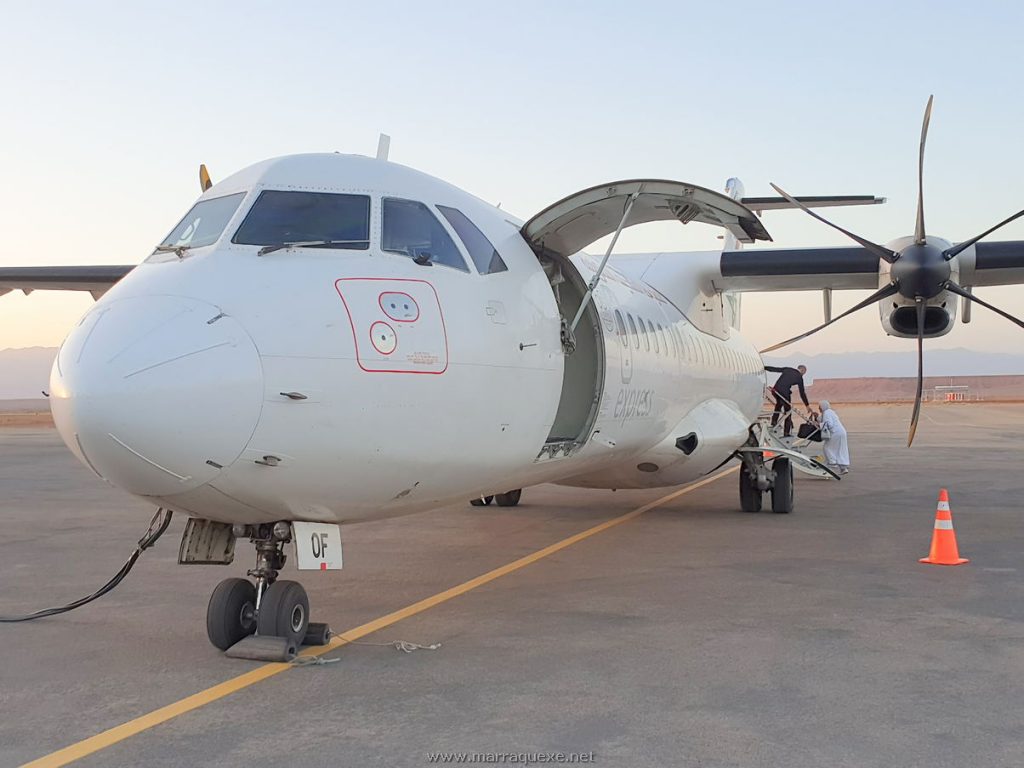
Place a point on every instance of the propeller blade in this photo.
(204, 178)
(919, 229)
(883, 253)
(882, 293)
(951, 252)
(920, 372)
(961, 291)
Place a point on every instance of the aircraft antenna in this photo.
(383, 146)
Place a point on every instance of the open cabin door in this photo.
(569, 226)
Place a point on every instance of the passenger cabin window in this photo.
(643, 332)
(204, 222)
(620, 328)
(484, 255)
(654, 338)
(632, 331)
(412, 230)
(315, 219)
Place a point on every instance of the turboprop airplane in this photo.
(329, 338)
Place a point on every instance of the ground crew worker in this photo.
(783, 393)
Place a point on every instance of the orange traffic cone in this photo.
(944, 550)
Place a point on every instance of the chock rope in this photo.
(399, 645)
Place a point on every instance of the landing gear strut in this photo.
(268, 608)
(758, 476)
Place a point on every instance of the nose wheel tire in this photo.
(509, 499)
(284, 611)
(231, 614)
(483, 501)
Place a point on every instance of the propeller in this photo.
(920, 271)
(919, 237)
(920, 367)
(881, 293)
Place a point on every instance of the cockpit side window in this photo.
(409, 228)
(484, 255)
(320, 219)
(204, 222)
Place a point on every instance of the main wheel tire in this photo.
(284, 611)
(782, 491)
(482, 501)
(750, 495)
(509, 499)
(231, 614)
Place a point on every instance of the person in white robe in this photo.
(834, 439)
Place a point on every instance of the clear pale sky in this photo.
(110, 107)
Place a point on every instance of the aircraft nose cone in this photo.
(157, 394)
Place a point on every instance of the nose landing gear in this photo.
(269, 619)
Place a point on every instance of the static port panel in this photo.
(397, 324)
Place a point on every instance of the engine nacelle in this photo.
(899, 313)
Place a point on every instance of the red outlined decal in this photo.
(417, 343)
(399, 306)
(383, 338)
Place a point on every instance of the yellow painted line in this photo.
(121, 732)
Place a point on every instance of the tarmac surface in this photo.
(689, 635)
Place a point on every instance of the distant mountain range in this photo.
(25, 372)
(937, 362)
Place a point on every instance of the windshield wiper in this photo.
(307, 244)
(177, 250)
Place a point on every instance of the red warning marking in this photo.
(389, 296)
(323, 566)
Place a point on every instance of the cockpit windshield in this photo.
(315, 219)
(204, 223)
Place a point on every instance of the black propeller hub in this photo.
(921, 270)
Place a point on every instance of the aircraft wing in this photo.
(97, 279)
(848, 267)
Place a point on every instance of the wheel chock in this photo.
(263, 648)
(317, 634)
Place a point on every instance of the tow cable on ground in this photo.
(157, 526)
(160, 522)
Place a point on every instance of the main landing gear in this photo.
(758, 476)
(507, 499)
(267, 618)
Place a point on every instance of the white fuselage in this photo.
(342, 385)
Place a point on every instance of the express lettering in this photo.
(634, 403)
